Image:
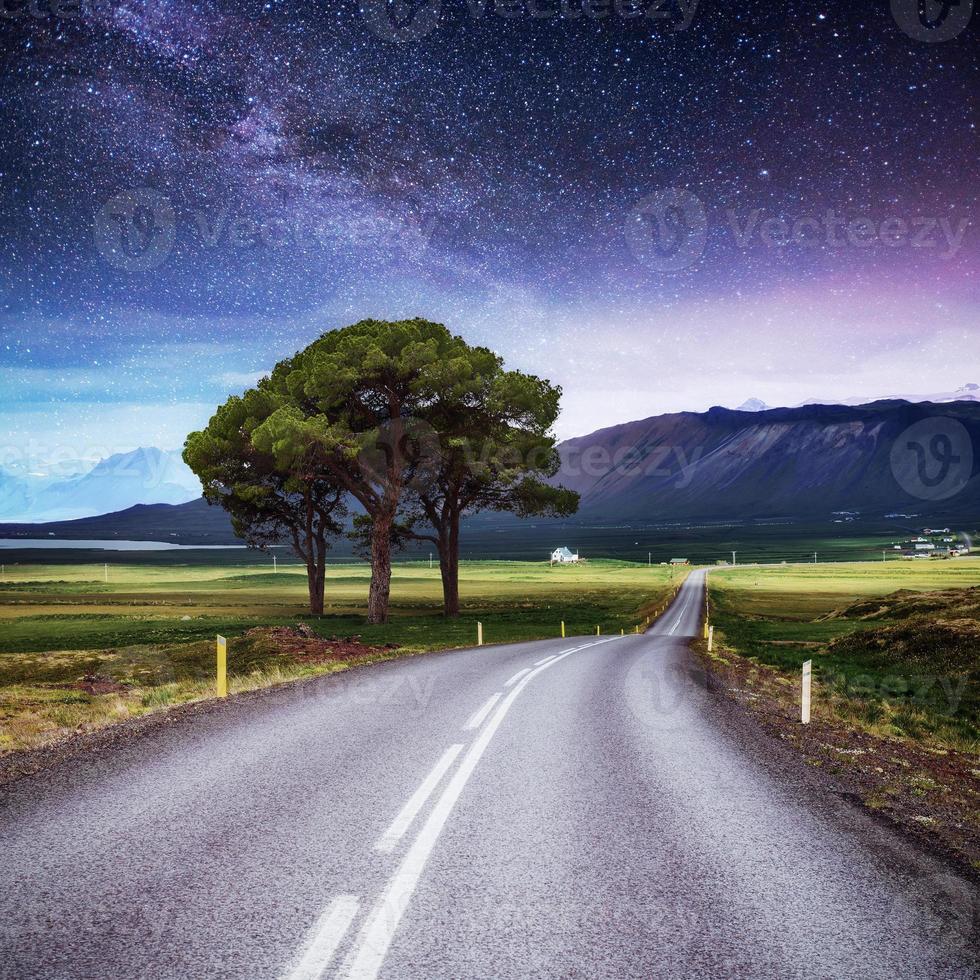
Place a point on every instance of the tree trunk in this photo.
(316, 575)
(449, 568)
(380, 568)
(314, 581)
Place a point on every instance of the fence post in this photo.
(805, 705)
(222, 678)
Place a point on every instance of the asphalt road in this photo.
(567, 808)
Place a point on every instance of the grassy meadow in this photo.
(148, 633)
(886, 658)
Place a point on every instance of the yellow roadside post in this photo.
(479, 634)
(622, 631)
(597, 631)
(222, 679)
(706, 630)
(563, 629)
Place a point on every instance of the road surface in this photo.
(566, 808)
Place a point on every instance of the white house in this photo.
(561, 556)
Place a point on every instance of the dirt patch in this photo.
(98, 684)
(932, 794)
(302, 645)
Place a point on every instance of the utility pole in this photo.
(107, 571)
(883, 558)
(275, 566)
(733, 558)
(430, 561)
(649, 558)
(814, 558)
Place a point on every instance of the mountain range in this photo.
(814, 462)
(965, 393)
(143, 476)
(804, 463)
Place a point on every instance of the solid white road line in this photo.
(480, 715)
(681, 613)
(390, 838)
(366, 958)
(325, 938)
(538, 663)
(511, 681)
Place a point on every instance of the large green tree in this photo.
(268, 502)
(356, 401)
(495, 451)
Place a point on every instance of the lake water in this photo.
(112, 545)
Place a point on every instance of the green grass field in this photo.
(152, 627)
(781, 616)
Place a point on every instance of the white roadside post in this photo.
(479, 634)
(805, 712)
(711, 638)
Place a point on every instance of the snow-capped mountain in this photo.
(144, 476)
(966, 393)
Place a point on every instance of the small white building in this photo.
(562, 556)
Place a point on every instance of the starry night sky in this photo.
(190, 191)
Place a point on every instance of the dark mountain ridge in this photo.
(802, 463)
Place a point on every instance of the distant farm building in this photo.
(562, 556)
(680, 561)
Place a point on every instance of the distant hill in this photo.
(194, 522)
(144, 476)
(809, 463)
(805, 462)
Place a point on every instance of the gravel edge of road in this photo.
(768, 730)
(18, 765)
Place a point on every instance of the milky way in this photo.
(190, 191)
